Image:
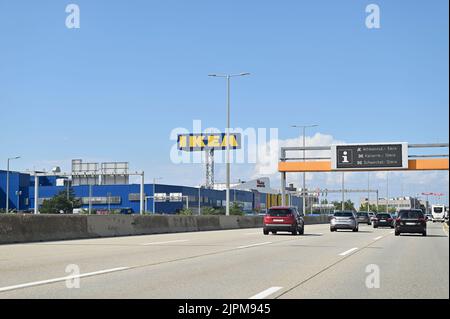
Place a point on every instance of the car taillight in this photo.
(389, 219)
(398, 220)
(421, 219)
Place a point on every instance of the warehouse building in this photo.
(108, 189)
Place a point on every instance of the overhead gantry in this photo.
(360, 158)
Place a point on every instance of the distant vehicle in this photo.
(438, 212)
(77, 211)
(372, 216)
(126, 211)
(344, 220)
(383, 220)
(410, 221)
(284, 218)
(363, 217)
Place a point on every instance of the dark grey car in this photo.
(410, 221)
(364, 218)
(383, 220)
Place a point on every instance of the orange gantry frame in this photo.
(435, 164)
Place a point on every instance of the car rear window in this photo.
(411, 214)
(383, 215)
(343, 214)
(438, 210)
(279, 212)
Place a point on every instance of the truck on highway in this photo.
(438, 213)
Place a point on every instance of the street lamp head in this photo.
(244, 74)
(212, 74)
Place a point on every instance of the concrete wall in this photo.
(32, 228)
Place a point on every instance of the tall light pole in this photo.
(304, 127)
(199, 198)
(154, 189)
(7, 181)
(368, 192)
(228, 77)
(387, 192)
(343, 191)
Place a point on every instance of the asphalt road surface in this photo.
(243, 264)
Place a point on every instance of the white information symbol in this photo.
(345, 157)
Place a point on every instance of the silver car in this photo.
(344, 220)
(364, 218)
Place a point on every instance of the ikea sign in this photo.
(208, 141)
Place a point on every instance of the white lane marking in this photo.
(50, 281)
(379, 237)
(348, 251)
(265, 293)
(391, 232)
(253, 245)
(445, 226)
(165, 242)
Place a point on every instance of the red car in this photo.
(284, 218)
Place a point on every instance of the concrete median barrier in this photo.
(35, 228)
(29, 228)
(322, 219)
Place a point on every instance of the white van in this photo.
(438, 213)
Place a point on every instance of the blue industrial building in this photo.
(18, 190)
(112, 197)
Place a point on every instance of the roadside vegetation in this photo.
(62, 203)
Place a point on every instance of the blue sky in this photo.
(115, 88)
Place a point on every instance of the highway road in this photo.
(243, 264)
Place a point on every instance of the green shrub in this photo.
(186, 212)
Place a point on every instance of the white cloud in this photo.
(269, 153)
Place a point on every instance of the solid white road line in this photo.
(445, 226)
(391, 232)
(165, 242)
(253, 245)
(348, 251)
(265, 293)
(379, 237)
(50, 281)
